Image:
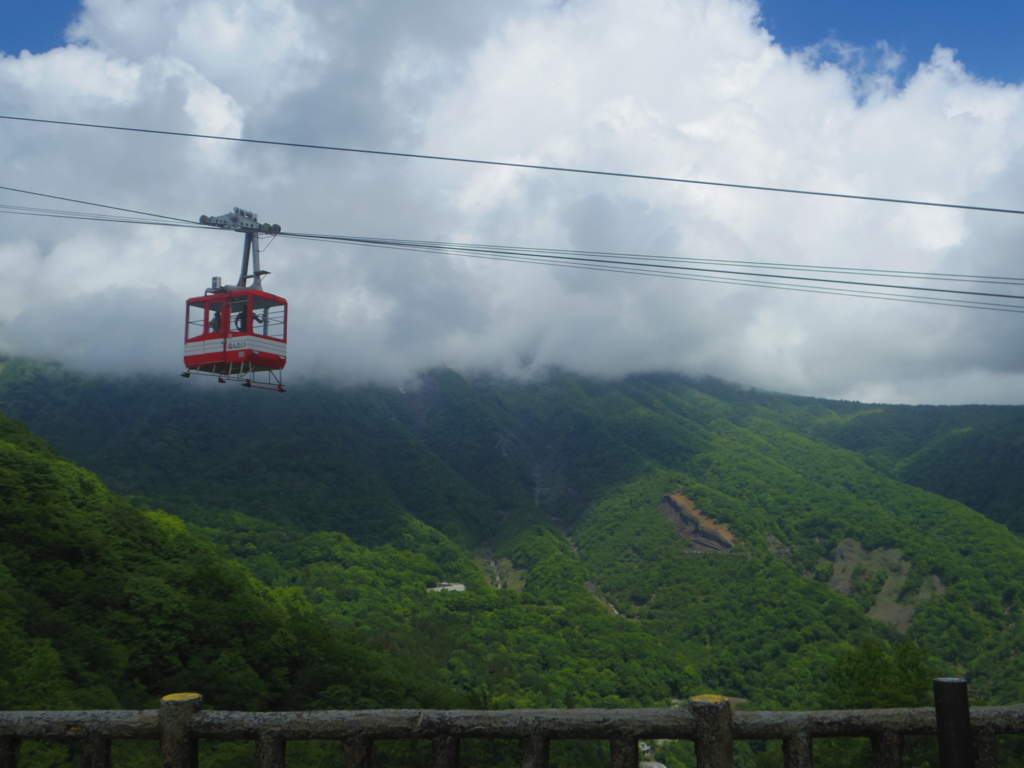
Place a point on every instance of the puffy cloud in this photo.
(69, 79)
(258, 50)
(685, 88)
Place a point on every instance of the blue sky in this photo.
(37, 25)
(985, 33)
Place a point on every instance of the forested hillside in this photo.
(621, 543)
(104, 605)
(107, 605)
(971, 453)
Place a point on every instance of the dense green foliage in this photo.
(971, 453)
(328, 514)
(552, 645)
(109, 605)
(880, 675)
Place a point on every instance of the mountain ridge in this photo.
(562, 480)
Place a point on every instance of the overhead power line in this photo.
(525, 166)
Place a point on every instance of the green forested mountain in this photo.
(974, 454)
(621, 543)
(104, 605)
(971, 453)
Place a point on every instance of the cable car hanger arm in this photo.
(241, 220)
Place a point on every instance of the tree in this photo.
(879, 674)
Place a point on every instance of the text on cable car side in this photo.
(238, 332)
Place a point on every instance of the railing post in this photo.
(798, 750)
(953, 721)
(270, 749)
(534, 752)
(96, 752)
(358, 752)
(179, 748)
(446, 752)
(624, 753)
(10, 747)
(887, 750)
(714, 731)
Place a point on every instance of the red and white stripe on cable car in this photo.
(238, 332)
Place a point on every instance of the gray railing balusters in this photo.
(798, 750)
(10, 747)
(446, 751)
(986, 747)
(358, 752)
(534, 752)
(96, 752)
(624, 753)
(270, 750)
(887, 750)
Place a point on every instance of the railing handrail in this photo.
(708, 721)
(656, 723)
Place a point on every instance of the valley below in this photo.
(620, 544)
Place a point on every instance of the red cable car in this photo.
(238, 332)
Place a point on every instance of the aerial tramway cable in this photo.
(509, 164)
(629, 260)
(773, 275)
(98, 205)
(527, 258)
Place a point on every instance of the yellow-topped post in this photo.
(714, 730)
(178, 747)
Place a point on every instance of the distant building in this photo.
(447, 586)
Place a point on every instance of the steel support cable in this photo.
(95, 205)
(553, 251)
(823, 290)
(940, 301)
(600, 262)
(506, 164)
(938, 276)
(946, 302)
(57, 213)
(92, 217)
(708, 270)
(62, 213)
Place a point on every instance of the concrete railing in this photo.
(966, 737)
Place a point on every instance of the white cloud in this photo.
(114, 331)
(69, 79)
(688, 88)
(259, 50)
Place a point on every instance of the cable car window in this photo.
(214, 322)
(240, 313)
(268, 317)
(196, 325)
